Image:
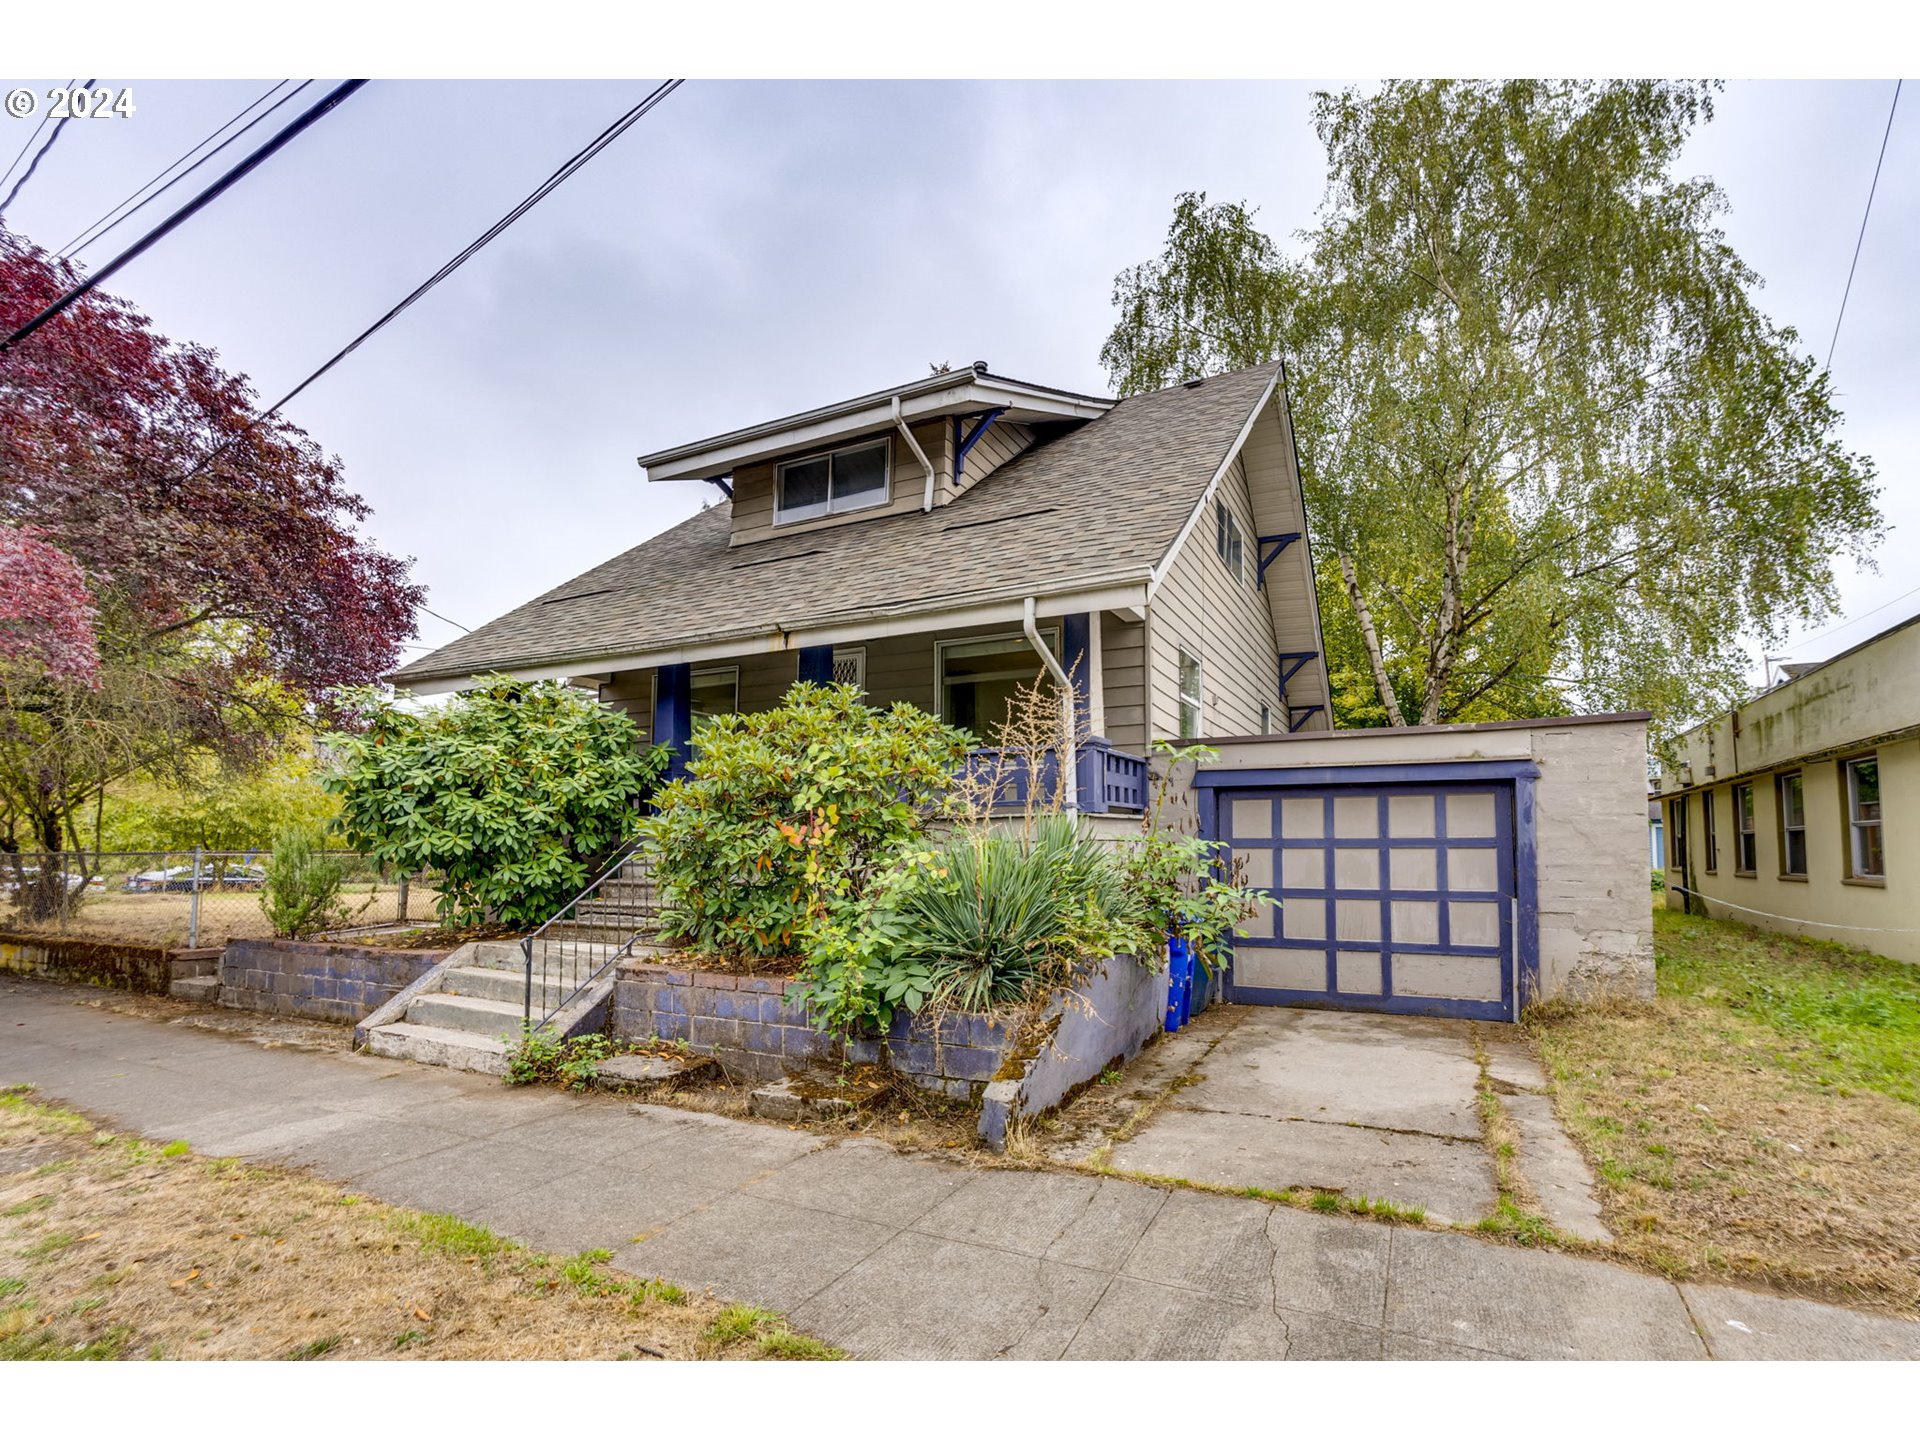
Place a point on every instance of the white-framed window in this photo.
(977, 678)
(713, 692)
(854, 478)
(1266, 719)
(1866, 859)
(1228, 542)
(850, 666)
(1790, 792)
(1191, 681)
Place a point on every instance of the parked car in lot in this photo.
(29, 875)
(181, 878)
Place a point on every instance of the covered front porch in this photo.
(964, 674)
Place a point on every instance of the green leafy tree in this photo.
(821, 790)
(219, 806)
(514, 792)
(1554, 453)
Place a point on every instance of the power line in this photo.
(27, 144)
(540, 192)
(88, 235)
(455, 623)
(187, 211)
(39, 155)
(1861, 238)
(1835, 629)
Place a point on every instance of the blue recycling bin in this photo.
(1179, 982)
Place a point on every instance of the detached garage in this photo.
(1459, 870)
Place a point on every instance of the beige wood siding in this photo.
(1123, 663)
(753, 485)
(1225, 622)
(631, 692)
(1273, 489)
(1002, 442)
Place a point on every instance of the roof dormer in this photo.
(914, 447)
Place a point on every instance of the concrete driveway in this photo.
(1383, 1107)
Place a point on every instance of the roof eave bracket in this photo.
(961, 445)
(1271, 547)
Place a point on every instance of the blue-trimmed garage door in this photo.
(1397, 897)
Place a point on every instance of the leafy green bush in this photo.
(514, 792)
(302, 892)
(1179, 881)
(815, 796)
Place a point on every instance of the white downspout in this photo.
(1069, 773)
(900, 424)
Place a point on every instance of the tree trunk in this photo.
(1368, 634)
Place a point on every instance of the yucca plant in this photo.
(1001, 916)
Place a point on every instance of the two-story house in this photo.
(929, 542)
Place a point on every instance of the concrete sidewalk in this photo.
(885, 1255)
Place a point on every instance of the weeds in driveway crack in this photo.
(1516, 1210)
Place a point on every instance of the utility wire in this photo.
(27, 144)
(206, 197)
(540, 192)
(39, 155)
(1861, 238)
(1834, 629)
(455, 623)
(92, 232)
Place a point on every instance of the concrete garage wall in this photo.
(317, 979)
(1595, 922)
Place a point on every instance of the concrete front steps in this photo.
(466, 1013)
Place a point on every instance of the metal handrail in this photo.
(592, 956)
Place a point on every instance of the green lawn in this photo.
(1844, 1019)
(1760, 1120)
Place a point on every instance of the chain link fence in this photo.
(186, 898)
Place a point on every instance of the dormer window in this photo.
(841, 480)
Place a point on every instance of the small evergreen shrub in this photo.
(302, 893)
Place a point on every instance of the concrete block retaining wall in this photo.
(144, 969)
(757, 1029)
(320, 980)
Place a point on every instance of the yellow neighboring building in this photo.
(1800, 810)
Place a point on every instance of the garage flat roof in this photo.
(1545, 722)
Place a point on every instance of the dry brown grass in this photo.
(161, 917)
(1733, 1143)
(111, 1247)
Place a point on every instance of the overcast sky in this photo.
(754, 249)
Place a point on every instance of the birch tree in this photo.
(1556, 456)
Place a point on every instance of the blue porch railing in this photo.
(1109, 781)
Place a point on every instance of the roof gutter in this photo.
(900, 424)
(1069, 717)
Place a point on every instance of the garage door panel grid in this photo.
(1398, 897)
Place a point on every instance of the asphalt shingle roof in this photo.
(1104, 500)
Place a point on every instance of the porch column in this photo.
(816, 665)
(1076, 657)
(673, 715)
